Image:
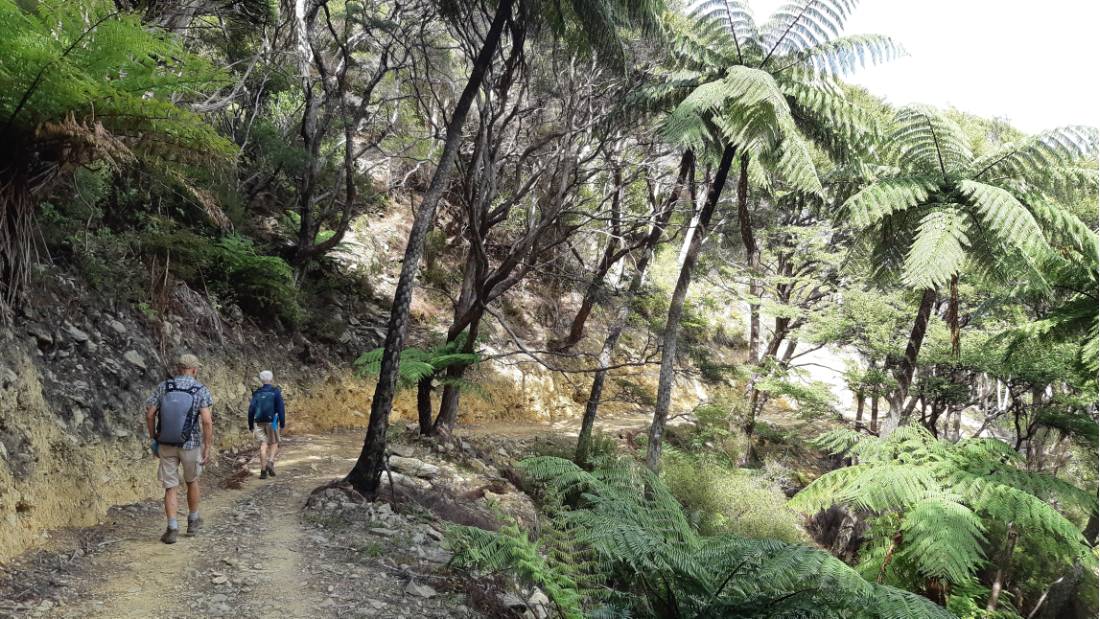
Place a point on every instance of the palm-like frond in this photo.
(946, 497)
(881, 198)
(938, 250)
(928, 141)
(642, 543)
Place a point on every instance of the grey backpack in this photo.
(174, 418)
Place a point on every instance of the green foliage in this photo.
(720, 499)
(511, 548)
(417, 364)
(652, 561)
(943, 499)
(230, 268)
(944, 208)
(85, 58)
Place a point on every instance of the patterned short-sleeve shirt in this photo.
(203, 399)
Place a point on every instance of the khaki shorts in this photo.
(171, 457)
(266, 434)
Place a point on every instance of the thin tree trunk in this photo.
(611, 255)
(424, 405)
(448, 406)
(1002, 571)
(953, 318)
(366, 474)
(912, 351)
(752, 257)
(615, 330)
(859, 408)
(676, 309)
(874, 412)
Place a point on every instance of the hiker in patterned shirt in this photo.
(181, 425)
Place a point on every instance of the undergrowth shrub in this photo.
(720, 499)
(622, 546)
(231, 269)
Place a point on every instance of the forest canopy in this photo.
(683, 187)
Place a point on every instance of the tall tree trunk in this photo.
(448, 406)
(676, 309)
(367, 472)
(752, 257)
(859, 408)
(424, 405)
(874, 412)
(611, 255)
(953, 318)
(615, 330)
(1002, 570)
(912, 350)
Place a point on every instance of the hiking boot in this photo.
(271, 470)
(193, 526)
(170, 536)
(263, 473)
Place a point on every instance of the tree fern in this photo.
(417, 364)
(944, 498)
(644, 548)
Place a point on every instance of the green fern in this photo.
(943, 499)
(943, 209)
(643, 553)
(417, 364)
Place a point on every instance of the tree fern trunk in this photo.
(953, 318)
(424, 405)
(859, 408)
(676, 310)
(367, 472)
(752, 257)
(615, 330)
(874, 412)
(912, 350)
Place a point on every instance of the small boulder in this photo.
(133, 358)
(419, 590)
(76, 334)
(117, 327)
(413, 467)
(40, 333)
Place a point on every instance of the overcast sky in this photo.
(1034, 63)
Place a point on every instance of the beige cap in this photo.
(188, 361)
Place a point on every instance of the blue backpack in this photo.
(264, 400)
(175, 420)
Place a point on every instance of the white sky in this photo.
(1028, 62)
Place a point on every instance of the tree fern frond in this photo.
(845, 55)
(943, 539)
(806, 24)
(1049, 149)
(872, 203)
(929, 141)
(938, 251)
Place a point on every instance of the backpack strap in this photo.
(194, 389)
(169, 385)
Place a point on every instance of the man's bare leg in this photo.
(193, 496)
(274, 451)
(263, 456)
(170, 504)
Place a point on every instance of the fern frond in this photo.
(938, 250)
(929, 141)
(943, 539)
(874, 202)
(1003, 215)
